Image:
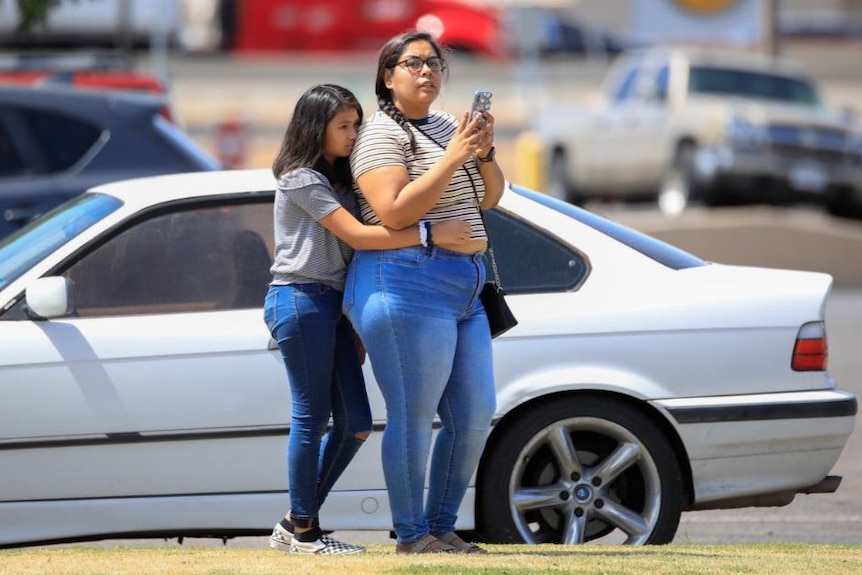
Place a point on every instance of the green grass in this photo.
(756, 559)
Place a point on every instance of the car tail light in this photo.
(811, 352)
(166, 113)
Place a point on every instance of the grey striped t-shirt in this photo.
(382, 142)
(305, 251)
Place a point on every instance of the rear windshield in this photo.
(652, 248)
(748, 84)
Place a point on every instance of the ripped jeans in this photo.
(325, 376)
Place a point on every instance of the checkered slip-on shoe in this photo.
(280, 539)
(326, 545)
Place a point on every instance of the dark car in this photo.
(107, 71)
(57, 141)
(555, 32)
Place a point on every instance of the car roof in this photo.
(151, 190)
(65, 62)
(737, 59)
(62, 96)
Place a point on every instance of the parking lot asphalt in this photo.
(800, 237)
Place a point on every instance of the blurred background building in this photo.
(481, 26)
(524, 47)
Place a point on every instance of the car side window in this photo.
(10, 160)
(530, 261)
(191, 259)
(628, 87)
(660, 86)
(62, 140)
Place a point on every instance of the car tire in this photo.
(839, 202)
(579, 469)
(777, 194)
(560, 184)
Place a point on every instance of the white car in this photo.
(141, 395)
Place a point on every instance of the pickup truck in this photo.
(682, 126)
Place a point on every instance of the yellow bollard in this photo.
(529, 161)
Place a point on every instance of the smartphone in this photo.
(481, 103)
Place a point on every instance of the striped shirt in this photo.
(305, 251)
(382, 142)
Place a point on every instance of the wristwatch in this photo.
(425, 233)
(490, 157)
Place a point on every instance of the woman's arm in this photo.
(399, 202)
(495, 182)
(359, 236)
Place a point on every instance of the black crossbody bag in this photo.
(493, 296)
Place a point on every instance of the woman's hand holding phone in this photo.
(481, 108)
(465, 141)
(486, 136)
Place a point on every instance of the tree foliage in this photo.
(34, 12)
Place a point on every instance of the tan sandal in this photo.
(428, 544)
(459, 544)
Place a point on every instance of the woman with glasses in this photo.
(316, 232)
(417, 309)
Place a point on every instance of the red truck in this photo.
(362, 25)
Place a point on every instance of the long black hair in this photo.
(389, 57)
(304, 138)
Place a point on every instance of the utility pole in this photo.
(770, 34)
(124, 27)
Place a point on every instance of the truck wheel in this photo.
(560, 185)
(676, 189)
(839, 202)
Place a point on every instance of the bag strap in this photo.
(496, 272)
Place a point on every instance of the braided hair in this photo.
(390, 54)
(304, 138)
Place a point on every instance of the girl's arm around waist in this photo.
(359, 236)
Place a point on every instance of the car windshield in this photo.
(651, 247)
(22, 249)
(748, 84)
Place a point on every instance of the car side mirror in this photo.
(49, 297)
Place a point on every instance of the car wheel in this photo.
(777, 194)
(839, 202)
(580, 469)
(560, 185)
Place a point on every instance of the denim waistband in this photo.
(436, 252)
(309, 287)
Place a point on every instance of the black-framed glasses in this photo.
(414, 64)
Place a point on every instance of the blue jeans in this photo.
(325, 376)
(426, 333)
